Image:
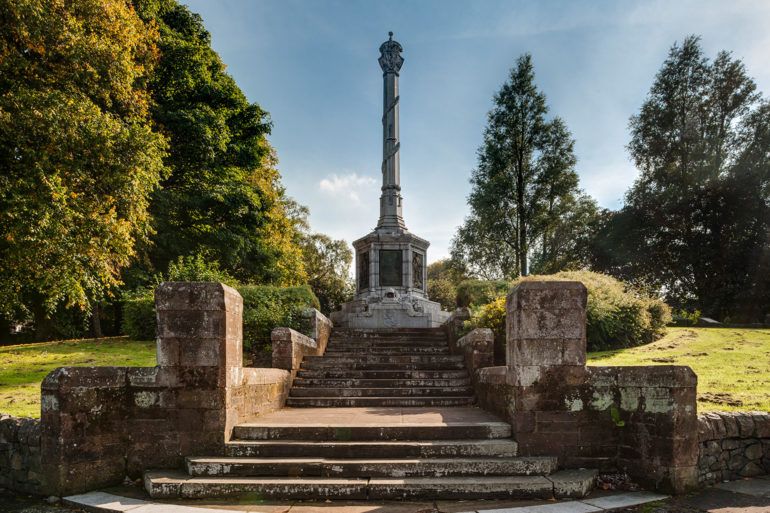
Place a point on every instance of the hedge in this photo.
(618, 316)
(480, 292)
(264, 308)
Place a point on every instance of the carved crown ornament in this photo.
(390, 59)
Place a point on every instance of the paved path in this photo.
(104, 502)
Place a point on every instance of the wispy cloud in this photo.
(349, 186)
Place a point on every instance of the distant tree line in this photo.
(124, 146)
(695, 225)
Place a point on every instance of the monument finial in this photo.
(390, 36)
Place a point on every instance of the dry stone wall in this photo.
(20, 468)
(733, 445)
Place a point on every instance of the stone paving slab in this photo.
(624, 500)
(754, 487)
(559, 507)
(102, 502)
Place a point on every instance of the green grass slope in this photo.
(23, 367)
(733, 365)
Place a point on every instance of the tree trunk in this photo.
(43, 322)
(524, 271)
(96, 320)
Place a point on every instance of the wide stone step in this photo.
(352, 364)
(325, 432)
(381, 392)
(385, 333)
(335, 342)
(356, 351)
(559, 485)
(379, 383)
(333, 359)
(337, 467)
(170, 485)
(350, 402)
(490, 448)
(381, 374)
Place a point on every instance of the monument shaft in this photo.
(391, 262)
(390, 200)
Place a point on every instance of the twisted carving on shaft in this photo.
(390, 108)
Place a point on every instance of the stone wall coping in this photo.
(546, 285)
(63, 378)
(460, 314)
(648, 376)
(724, 424)
(263, 376)
(197, 295)
(290, 335)
(481, 338)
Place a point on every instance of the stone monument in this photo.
(391, 262)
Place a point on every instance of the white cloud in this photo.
(349, 186)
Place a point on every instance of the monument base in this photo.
(392, 311)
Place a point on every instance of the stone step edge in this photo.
(562, 484)
(104, 502)
(469, 447)
(372, 433)
(238, 466)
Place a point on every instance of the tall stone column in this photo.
(390, 200)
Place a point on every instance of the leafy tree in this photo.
(78, 153)
(223, 196)
(327, 262)
(443, 277)
(695, 223)
(525, 194)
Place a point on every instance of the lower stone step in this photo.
(325, 432)
(297, 391)
(489, 448)
(376, 467)
(355, 402)
(574, 484)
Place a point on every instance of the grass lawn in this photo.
(23, 367)
(733, 365)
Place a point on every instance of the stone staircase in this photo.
(405, 367)
(382, 415)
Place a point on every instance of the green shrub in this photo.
(139, 321)
(197, 267)
(480, 292)
(617, 315)
(443, 292)
(264, 307)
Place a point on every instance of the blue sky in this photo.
(313, 65)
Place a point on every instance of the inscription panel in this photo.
(391, 269)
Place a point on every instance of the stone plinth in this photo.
(545, 327)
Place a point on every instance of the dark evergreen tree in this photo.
(525, 203)
(695, 223)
